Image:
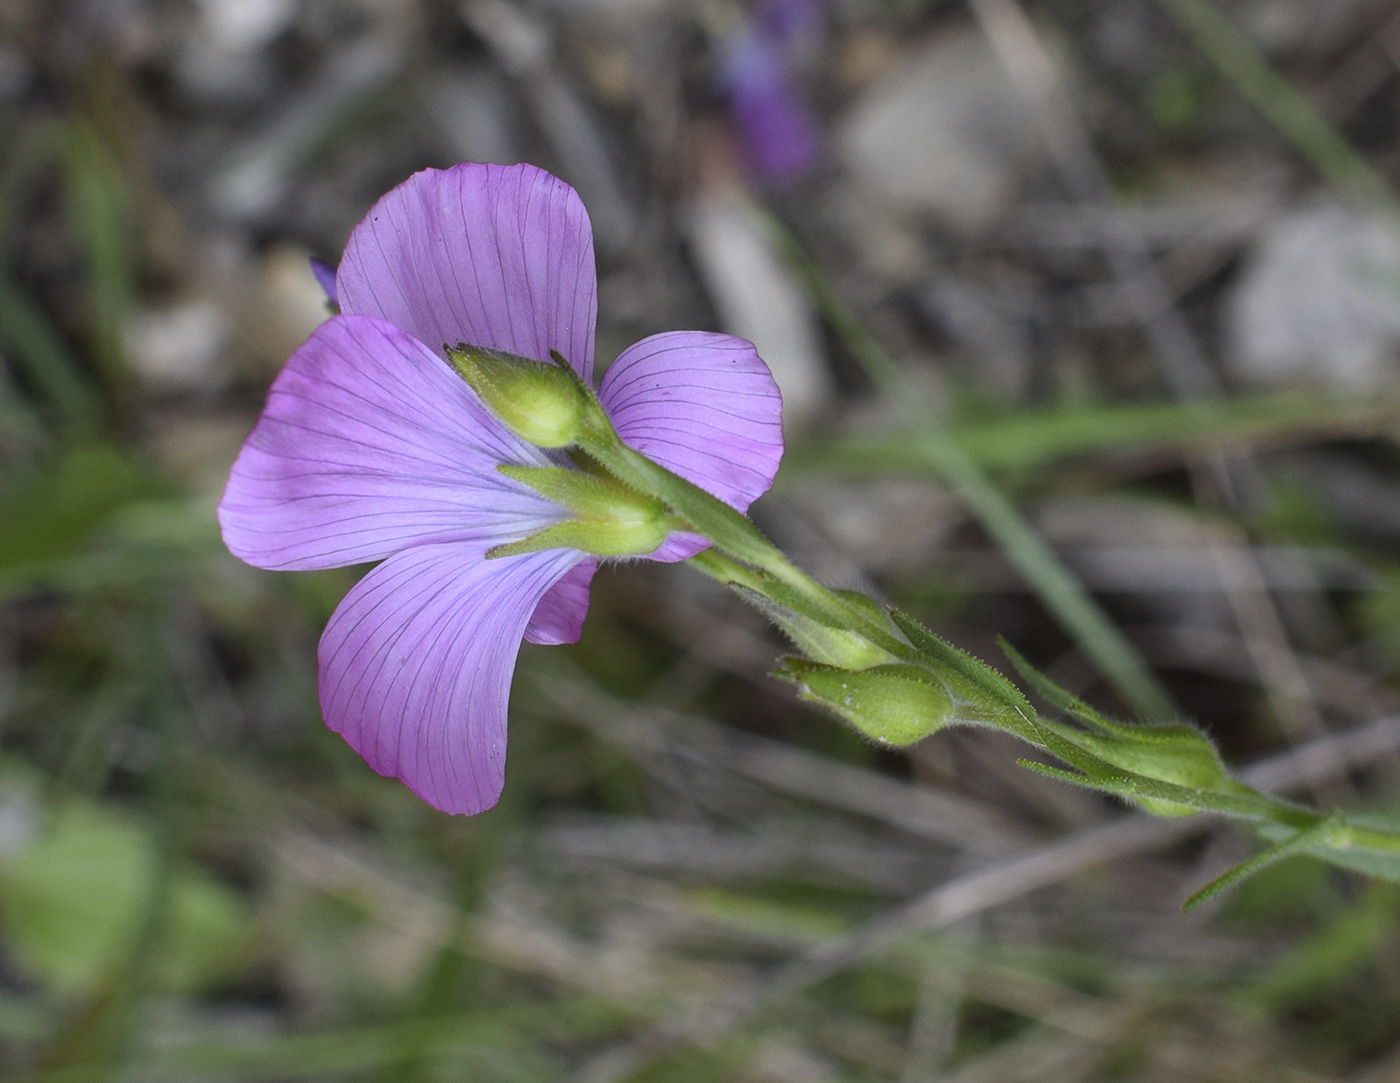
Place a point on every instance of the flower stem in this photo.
(1063, 595)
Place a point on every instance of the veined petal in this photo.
(702, 405)
(370, 443)
(494, 256)
(559, 616)
(416, 666)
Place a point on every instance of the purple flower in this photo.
(371, 448)
(778, 136)
(791, 21)
(325, 278)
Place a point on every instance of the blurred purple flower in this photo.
(371, 448)
(778, 137)
(791, 22)
(325, 278)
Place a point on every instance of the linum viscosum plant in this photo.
(445, 424)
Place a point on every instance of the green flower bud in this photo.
(545, 404)
(610, 518)
(894, 704)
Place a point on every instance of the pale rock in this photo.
(180, 347)
(221, 61)
(289, 300)
(759, 299)
(943, 133)
(241, 26)
(1319, 301)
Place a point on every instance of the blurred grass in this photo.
(1024, 440)
(1292, 113)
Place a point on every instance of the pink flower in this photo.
(371, 448)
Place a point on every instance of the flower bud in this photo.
(540, 402)
(895, 704)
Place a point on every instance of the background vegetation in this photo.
(1137, 267)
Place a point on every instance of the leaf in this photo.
(100, 220)
(811, 631)
(74, 898)
(1175, 753)
(57, 511)
(1297, 843)
(44, 359)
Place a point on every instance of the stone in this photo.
(1318, 301)
(943, 133)
(758, 298)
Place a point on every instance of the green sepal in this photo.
(1168, 752)
(894, 704)
(542, 403)
(816, 637)
(610, 519)
(975, 686)
(728, 529)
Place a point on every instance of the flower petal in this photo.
(370, 443)
(495, 256)
(703, 405)
(559, 616)
(416, 666)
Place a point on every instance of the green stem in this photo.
(824, 604)
(1062, 594)
(733, 534)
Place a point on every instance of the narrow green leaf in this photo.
(100, 219)
(1297, 843)
(57, 511)
(43, 359)
(1032, 438)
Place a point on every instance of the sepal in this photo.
(981, 693)
(544, 403)
(811, 631)
(1171, 752)
(610, 519)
